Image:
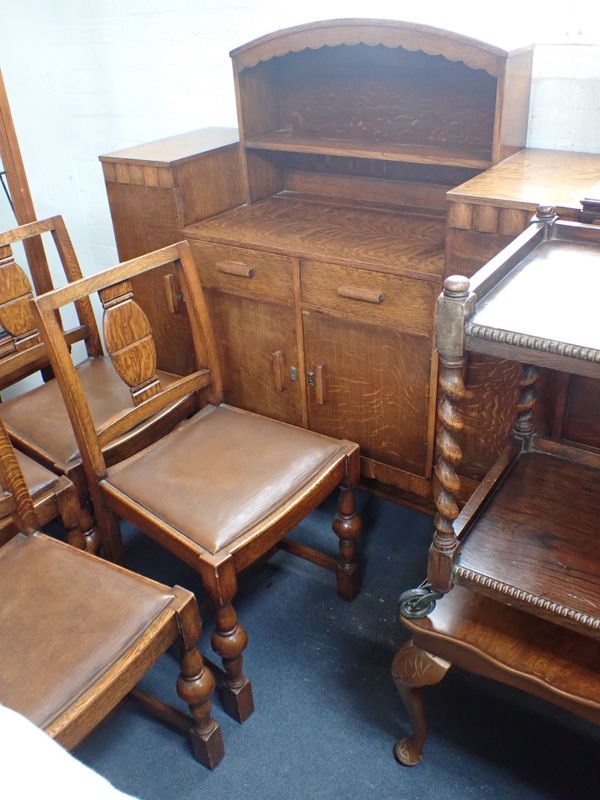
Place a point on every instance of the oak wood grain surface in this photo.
(409, 244)
(238, 270)
(532, 539)
(368, 393)
(506, 644)
(533, 177)
(391, 33)
(249, 334)
(373, 298)
(384, 151)
(175, 149)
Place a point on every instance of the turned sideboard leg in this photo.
(412, 669)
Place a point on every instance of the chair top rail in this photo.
(28, 230)
(94, 283)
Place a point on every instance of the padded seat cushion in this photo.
(65, 617)
(222, 472)
(40, 416)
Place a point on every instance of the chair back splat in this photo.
(21, 349)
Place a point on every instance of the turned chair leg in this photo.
(195, 686)
(77, 522)
(229, 641)
(412, 669)
(347, 526)
(109, 534)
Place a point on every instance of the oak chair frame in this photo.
(178, 622)
(22, 351)
(135, 361)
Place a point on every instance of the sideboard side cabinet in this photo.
(154, 190)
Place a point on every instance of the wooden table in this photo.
(529, 536)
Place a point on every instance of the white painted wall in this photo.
(86, 78)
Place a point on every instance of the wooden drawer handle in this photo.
(363, 295)
(316, 378)
(279, 370)
(237, 268)
(320, 384)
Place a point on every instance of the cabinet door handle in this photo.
(319, 384)
(279, 370)
(174, 296)
(363, 295)
(237, 268)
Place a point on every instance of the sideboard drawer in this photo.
(371, 297)
(250, 273)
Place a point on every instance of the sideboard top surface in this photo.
(534, 177)
(175, 149)
(401, 243)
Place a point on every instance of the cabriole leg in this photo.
(412, 669)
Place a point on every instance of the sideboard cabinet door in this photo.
(371, 385)
(257, 347)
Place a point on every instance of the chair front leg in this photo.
(77, 522)
(195, 686)
(229, 640)
(347, 526)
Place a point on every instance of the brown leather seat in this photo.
(213, 494)
(64, 619)
(39, 419)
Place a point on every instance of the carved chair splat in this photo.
(223, 488)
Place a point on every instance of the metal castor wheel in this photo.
(418, 603)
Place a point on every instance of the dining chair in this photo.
(223, 488)
(37, 420)
(77, 633)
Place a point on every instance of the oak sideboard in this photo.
(321, 231)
